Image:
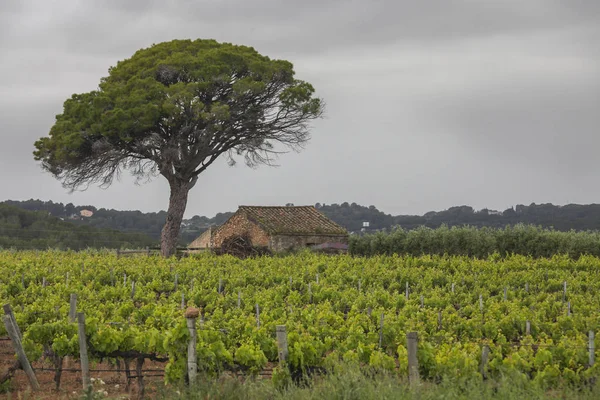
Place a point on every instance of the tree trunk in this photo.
(177, 205)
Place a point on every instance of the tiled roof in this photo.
(293, 220)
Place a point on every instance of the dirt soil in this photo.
(115, 382)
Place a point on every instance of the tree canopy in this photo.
(174, 108)
(22, 229)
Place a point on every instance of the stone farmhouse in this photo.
(276, 228)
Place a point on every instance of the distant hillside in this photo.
(23, 229)
(352, 216)
(126, 221)
(562, 218)
(349, 215)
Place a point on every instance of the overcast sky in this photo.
(430, 104)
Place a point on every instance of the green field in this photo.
(333, 309)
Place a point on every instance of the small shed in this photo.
(204, 241)
(277, 228)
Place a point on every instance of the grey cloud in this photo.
(430, 104)
(554, 125)
(309, 26)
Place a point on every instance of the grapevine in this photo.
(332, 307)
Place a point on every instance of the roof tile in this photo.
(292, 220)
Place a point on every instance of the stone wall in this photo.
(204, 240)
(238, 224)
(296, 242)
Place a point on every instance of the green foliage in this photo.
(23, 229)
(342, 323)
(352, 383)
(172, 108)
(149, 224)
(381, 361)
(562, 218)
(251, 357)
(478, 242)
(281, 378)
(212, 353)
(351, 216)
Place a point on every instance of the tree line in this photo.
(25, 230)
(349, 215)
(478, 242)
(562, 218)
(149, 224)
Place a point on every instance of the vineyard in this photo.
(532, 317)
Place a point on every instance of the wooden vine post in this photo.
(485, 353)
(83, 353)
(413, 363)
(8, 311)
(192, 364)
(282, 344)
(73, 308)
(15, 336)
(381, 331)
(591, 348)
(72, 319)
